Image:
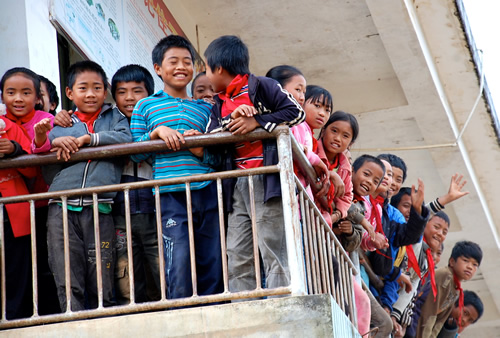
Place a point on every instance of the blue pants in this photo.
(206, 240)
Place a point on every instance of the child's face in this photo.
(397, 180)
(88, 93)
(405, 206)
(19, 95)
(216, 79)
(297, 87)
(386, 182)
(465, 268)
(47, 105)
(336, 137)
(317, 114)
(436, 255)
(435, 232)
(469, 315)
(127, 94)
(366, 180)
(176, 69)
(203, 89)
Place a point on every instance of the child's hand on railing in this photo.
(198, 152)
(6, 146)
(172, 137)
(63, 118)
(345, 227)
(380, 241)
(338, 184)
(244, 110)
(65, 146)
(243, 125)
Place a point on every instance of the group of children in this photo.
(401, 239)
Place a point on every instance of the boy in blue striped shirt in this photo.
(170, 115)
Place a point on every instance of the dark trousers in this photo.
(19, 301)
(206, 241)
(82, 256)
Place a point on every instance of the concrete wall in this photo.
(305, 316)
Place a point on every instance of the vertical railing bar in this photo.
(67, 267)
(303, 209)
(322, 255)
(130, 253)
(222, 228)
(255, 235)
(341, 279)
(159, 234)
(34, 262)
(291, 214)
(325, 254)
(331, 276)
(191, 239)
(98, 256)
(309, 213)
(2, 262)
(352, 299)
(316, 253)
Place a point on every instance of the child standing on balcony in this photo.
(245, 102)
(17, 241)
(171, 114)
(94, 123)
(293, 81)
(465, 258)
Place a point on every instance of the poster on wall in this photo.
(115, 33)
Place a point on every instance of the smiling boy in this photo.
(94, 124)
(171, 114)
(465, 258)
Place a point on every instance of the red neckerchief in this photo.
(88, 119)
(375, 215)
(231, 99)
(458, 286)
(431, 272)
(331, 191)
(412, 260)
(315, 145)
(357, 198)
(21, 120)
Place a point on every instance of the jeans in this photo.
(206, 242)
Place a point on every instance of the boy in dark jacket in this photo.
(246, 102)
(94, 124)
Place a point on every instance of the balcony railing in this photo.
(317, 262)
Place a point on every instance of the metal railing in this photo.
(312, 248)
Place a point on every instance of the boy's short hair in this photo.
(52, 91)
(471, 298)
(171, 41)
(230, 53)
(395, 161)
(396, 199)
(85, 66)
(467, 249)
(133, 73)
(441, 214)
(366, 158)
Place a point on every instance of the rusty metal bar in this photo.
(2, 261)
(352, 300)
(192, 254)
(341, 284)
(253, 218)
(98, 256)
(130, 252)
(34, 262)
(322, 255)
(143, 184)
(330, 264)
(305, 241)
(143, 307)
(308, 223)
(316, 252)
(67, 271)
(220, 201)
(125, 149)
(159, 233)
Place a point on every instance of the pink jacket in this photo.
(343, 203)
(304, 136)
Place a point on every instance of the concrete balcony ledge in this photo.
(304, 316)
